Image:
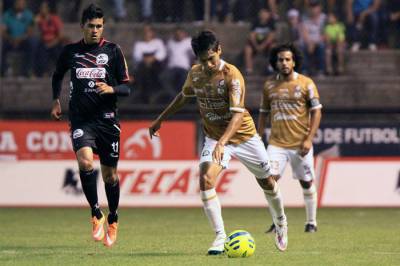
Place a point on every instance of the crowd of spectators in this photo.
(33, 32)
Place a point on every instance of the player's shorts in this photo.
(251, 153)
(102, 135)
(302, 167)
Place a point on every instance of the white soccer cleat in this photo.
(281, 237)
(217, 246)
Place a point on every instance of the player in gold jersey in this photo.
(230, 131)
(292, 102)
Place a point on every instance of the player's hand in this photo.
(56, 110)
(153, 129)
(104, 88)
(305, 147)
(218, 153)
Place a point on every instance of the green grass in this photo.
(182, 236)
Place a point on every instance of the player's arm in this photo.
(233, 126)
(263, 113)
(177, 104)
(236, 102)
(121, 75)
(56, 83)
(315, 117)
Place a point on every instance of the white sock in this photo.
(310, 202)
(275, 203)
(212, 208)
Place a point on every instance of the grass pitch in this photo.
(182, 237)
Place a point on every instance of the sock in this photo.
(212, 208)
(89, 186)
(310, 202)
(112, 192)
(275, 203)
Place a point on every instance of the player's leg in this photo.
(88, 178)
(111, 184)
(254, 156)
(303, 170)
(278, 158)
(209, 172)
(108, 149)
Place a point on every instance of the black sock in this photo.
(112, 192)
(89, 186)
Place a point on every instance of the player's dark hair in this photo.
(91, 12)
(204, 41)
(297, 56)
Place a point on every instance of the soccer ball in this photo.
(239, 244)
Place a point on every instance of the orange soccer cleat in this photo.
(111, 235)
(98, 229)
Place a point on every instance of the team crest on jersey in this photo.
(77, 133)
(101, 59)
(220, 86)
(91, 84)
(297, 91)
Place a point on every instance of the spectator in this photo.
(50, 45)
(119, 10)
(261, 38)
(335, 44)
(362, 18)
(312, 35)
(180, 58)
(219, 10)
(148, 56)
(18, 36)
(393, 8)
(146, 10)
(293, 17)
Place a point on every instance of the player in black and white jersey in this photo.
(98, 75)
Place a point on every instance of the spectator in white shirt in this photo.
(180, 59)
(148, 57)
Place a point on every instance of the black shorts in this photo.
(102, 135)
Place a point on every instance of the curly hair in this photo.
(297, 56)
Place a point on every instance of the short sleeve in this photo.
(312, 96)
(236, 90)
(121, 68)
(187, 89)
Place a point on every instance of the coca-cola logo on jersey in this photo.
(91, 73)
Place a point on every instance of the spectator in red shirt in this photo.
(50, 27)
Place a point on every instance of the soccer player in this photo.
(295, 112)
(98, 75)
(230, 131)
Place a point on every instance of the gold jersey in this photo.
(289, 104)
(218, 95)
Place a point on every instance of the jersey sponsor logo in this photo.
(77, 133)
(91, 84)
(205, 103)
(101, 59)
(214, 117)
(140, 140)
(91, 73)
(282, 116)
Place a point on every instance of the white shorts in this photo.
(251, 153)
(302, 167)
